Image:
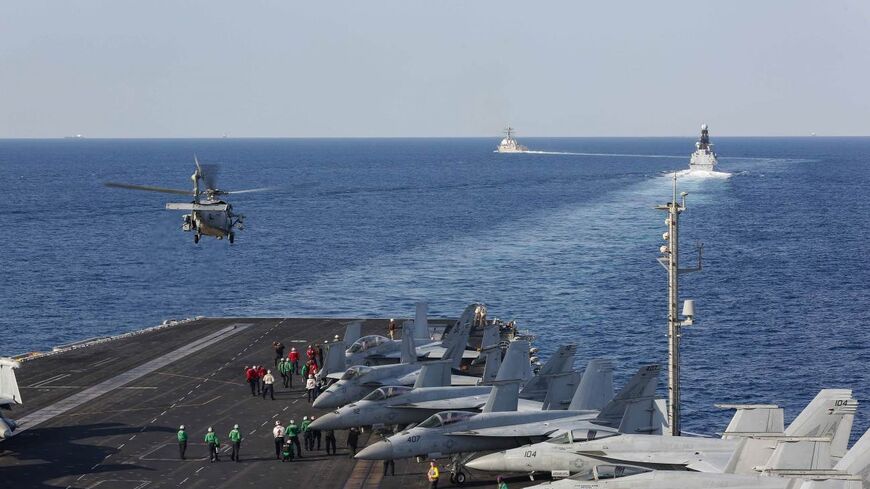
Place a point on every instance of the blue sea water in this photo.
(565, 244)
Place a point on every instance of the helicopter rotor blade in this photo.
(147, 188)
(247, 191)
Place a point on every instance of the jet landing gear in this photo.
(457, 463)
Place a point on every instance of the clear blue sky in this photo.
(118, 68)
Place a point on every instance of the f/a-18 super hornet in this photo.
(359, 380)
(830, 414)
(376, 349)
(500, 425)
(400, 405)
(796, 463)
(9, 395)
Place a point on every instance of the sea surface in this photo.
(566, 244)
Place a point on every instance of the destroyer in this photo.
(509, 144)
(704, 158)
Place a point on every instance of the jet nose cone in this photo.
(326, 400)
(325, 422)
(382, 450)
(494, 462)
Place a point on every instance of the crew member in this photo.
(391, 329)
(213, 443)
(315, 436)
(319, 355)
(268, 385)
(433, 475)
(279, 350)
(182, 441)
(352, 440)
(261, 372)
(284, 370)
(251, 378)
(306, 434)
(294, 359)
(501, 483)
(278, 433)
(330, 442)
(292, 434)
(310, 386)
(236, 439)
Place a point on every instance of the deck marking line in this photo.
(91, 393)
(185, 480)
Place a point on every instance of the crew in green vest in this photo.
(182, 441)
(236, 439)
(292, 433)
(213, 443)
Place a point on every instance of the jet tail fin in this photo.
(560, 390)
(457, 338)
(596, 387)
(857, 459)
(421, 322)
(335, 361)
(829, 414)
(515, 365)
(352, 332)
(434, 374)
(561, 362)
(645, 416)
(504, 397)
(9, 393)
(409, 350)
(492, 364)
(642, 385)
(491, 337)
(753, 419)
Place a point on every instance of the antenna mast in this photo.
(670, 260)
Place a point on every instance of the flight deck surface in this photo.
(105, 415)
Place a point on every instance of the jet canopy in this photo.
(580, 435)
(367, 343)
(355, 371)
(382, 393)
(445, 418)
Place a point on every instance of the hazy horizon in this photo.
(122, 69)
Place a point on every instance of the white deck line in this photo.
(135, 373)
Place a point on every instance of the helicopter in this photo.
(209, 216)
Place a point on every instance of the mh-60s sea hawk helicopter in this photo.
(209, 215)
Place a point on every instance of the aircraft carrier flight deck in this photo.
(105, 414)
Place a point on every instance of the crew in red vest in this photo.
(252, 380)
(293, 356)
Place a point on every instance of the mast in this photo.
(670, 260)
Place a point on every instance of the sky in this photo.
(407, 68)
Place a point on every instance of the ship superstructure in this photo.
(704, 158)
(509, 144)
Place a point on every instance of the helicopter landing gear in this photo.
(232, 237)
(196, 238)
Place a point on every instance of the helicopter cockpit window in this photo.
(616, 471)
(366, 343)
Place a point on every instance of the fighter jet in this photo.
(402, 405)
(796, 463)
(500, 426)
(9, 395)
(376, 349)
(359, 380)
(830, 414)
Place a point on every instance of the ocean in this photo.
(564, 242)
